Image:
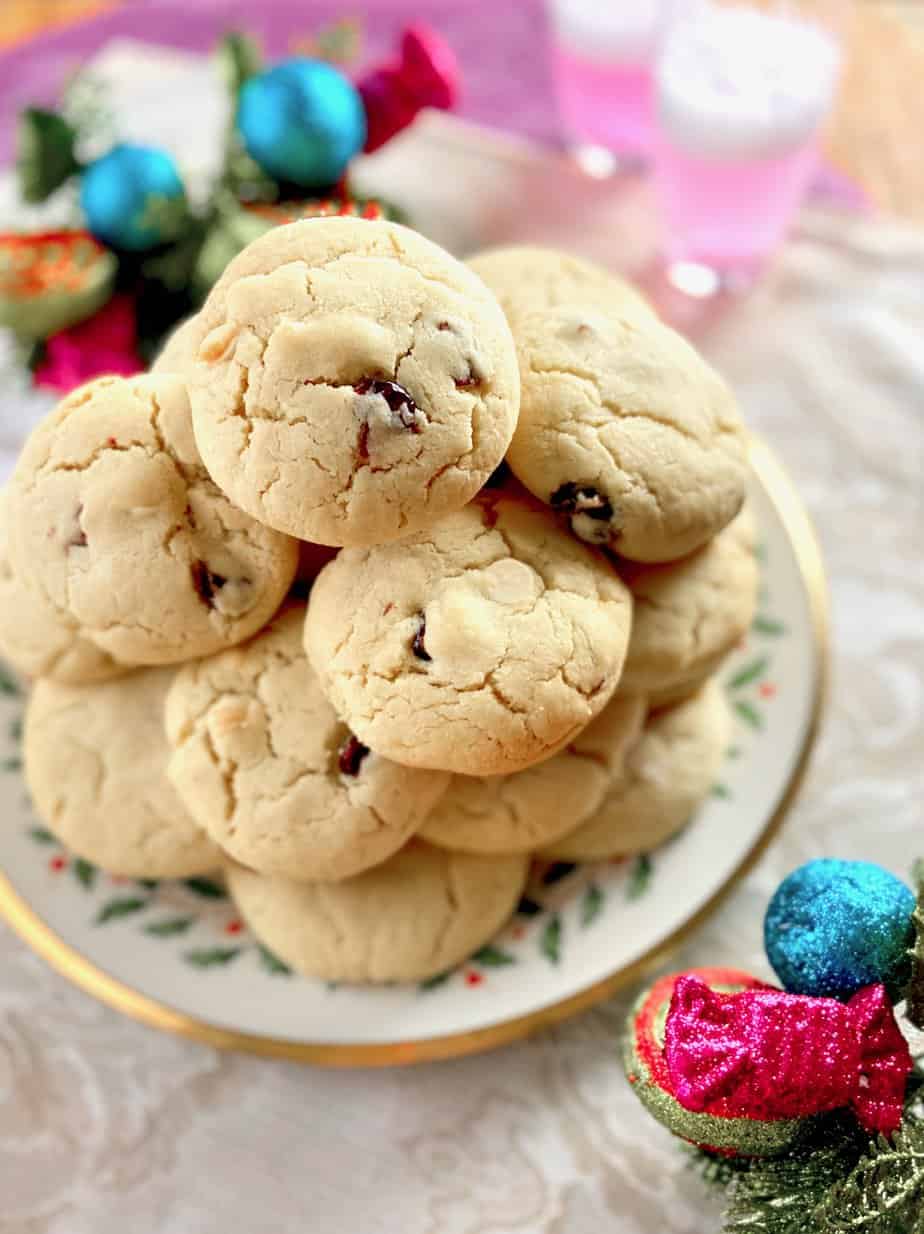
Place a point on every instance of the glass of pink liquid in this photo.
(602, 54)
(740, 93)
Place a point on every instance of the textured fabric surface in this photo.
(110, 1128)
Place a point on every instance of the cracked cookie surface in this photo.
(524, 811)
(526, 278)
(480, 646)
(414, 916)
(690, 614)
(668, 772)
(38, 639)
(115, 520)
(262, 761)
(96, 766)
(353, 382)
(626, 432)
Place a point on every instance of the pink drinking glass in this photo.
(740, 92)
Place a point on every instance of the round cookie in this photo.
(96, 766)
(668, 773)
(480, 646)
(354, 382)
(521, 812)
(265, 766)
(37, 639)
(627, 432)
(416, 915)
(179, 351)
(690, 614)
(526, 278)
(114, 519)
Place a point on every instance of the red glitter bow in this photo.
(427, 75)
(766, 1055)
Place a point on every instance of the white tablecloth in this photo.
(110, 1128)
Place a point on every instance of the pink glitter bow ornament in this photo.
(425, 75)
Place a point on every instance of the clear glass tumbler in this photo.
(740, 93)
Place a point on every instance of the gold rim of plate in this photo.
(85, 974)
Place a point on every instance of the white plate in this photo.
(177, 956)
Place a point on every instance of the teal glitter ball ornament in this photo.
(834, 927)
(133, 198)
(302, 121)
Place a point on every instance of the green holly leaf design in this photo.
(149, 883)
(639, 877)
(768, 626)
(8, 683)
(84, 872)
(491, 956)
(206, 887)
(15, 729)
(123, 907)
(434, 982)
(557, 871)
(528, 907)
(750, 672)
(41, 835)
(722, 791)
(749, 713)
(591, 904)
(11, 764)
(169, 927)
(550, 939)
(211, 957)
(272, 963)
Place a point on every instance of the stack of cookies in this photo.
(291, 613)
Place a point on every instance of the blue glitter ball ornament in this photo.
(834, 927)
(133, 198)
(302, 121)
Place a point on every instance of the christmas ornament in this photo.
(302, 121)
(106, 343)
(133, 198)
(425, 75)
(51, 280)
(835, 926)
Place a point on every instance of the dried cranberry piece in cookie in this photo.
(350, 756)
(582, 502)
(418, 646)
(400, 402)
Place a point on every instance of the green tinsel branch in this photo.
(884, 1194)
(915, 1007)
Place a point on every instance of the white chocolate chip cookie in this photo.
(38, 639)
(114, 519)
(526, 278)
(266, 767)
(354, 382)
(690, 614)
(417, 915)
(524, 811)
(668, 773)
(480, 646)
(627, 432)
(96, 765)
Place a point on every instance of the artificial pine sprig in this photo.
(884, 1194)
(915, 995)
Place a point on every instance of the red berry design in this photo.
(234, 927)
(473, 978)
(767, 690)
(57, 864)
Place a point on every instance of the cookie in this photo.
(354, 382)
(114, 519)
(667, 774)
(522, 812)
(179, 351)
(414, 916)
(38, 639)
(480, 646)
(626, 432)
(689, 614)
(96, 766)
(526, 278)
(266, 767)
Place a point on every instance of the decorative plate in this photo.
(177, 956)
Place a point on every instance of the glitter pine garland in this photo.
(915, 1009)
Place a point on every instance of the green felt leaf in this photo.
(591, 904)
(434, 982)
(44, 153)
(272, 963)
(749, 713)
(752, 671)
(41, 835)
(169, 926)
(768, 626)
(123, 907)
(206, 887)
(639, 877)
(491, 956)
(211, 957)
(84, 872)
(550, 939)
(8, 683)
